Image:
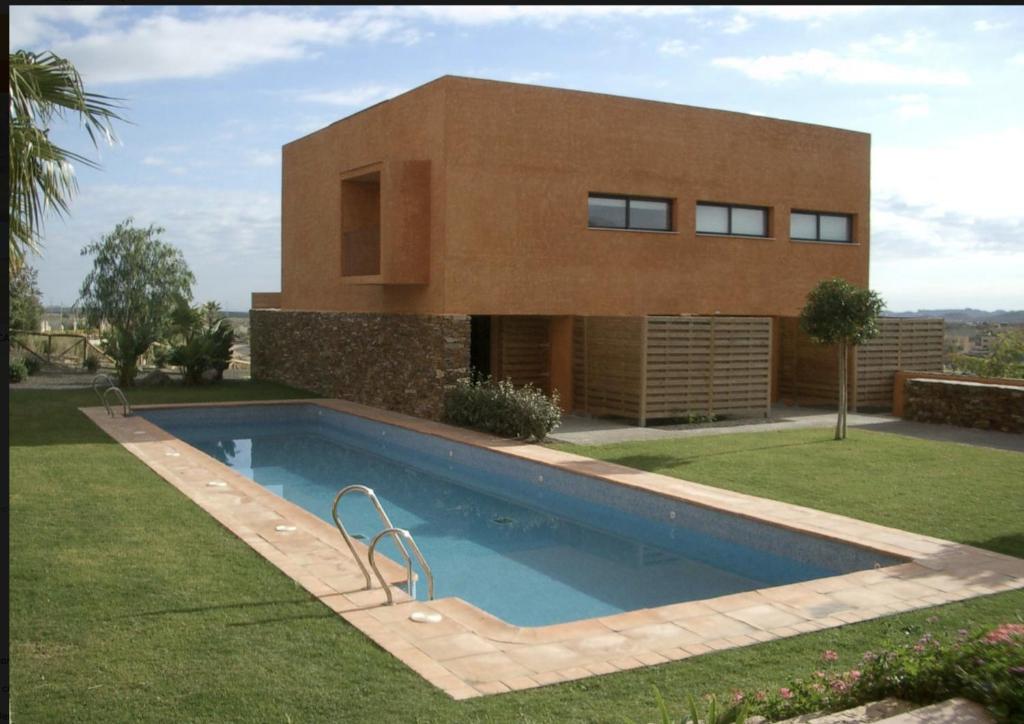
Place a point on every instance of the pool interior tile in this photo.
(471, 653)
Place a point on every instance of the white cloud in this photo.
(911, 42)
(153, 161)
(1017, 59)
(547, 16)
(738, 24)
(28, 24)
(164, 45)
(359, 96)
(805, 13)
(219, 231)
(677, 48)
(914, 105)
(984, 26)
(263, 158)
(838, 69)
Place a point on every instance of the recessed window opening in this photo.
(816, 226)
(606, 211)
(732, 220)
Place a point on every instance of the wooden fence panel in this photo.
(904, 343)
(524, 350)
(672, 366)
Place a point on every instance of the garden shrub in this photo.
(92, 363)
(32, 365)
(18, 370)
(986, 667)
(501, 408)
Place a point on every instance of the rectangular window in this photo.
(627, 212)
(728, 220)
(815, 226)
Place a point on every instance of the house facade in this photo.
(475, 223)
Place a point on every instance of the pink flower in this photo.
(760, 696)
(854, 675)
(737, 697)
(839, 686)
(785, 693)
(829, 655)
(1006, 634)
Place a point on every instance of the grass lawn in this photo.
(129, 603)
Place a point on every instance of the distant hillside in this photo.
(999, 316)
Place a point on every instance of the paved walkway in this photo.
(594, 431)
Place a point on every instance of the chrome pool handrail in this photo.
(399, 534)
(102, 377)
(368, 492)
(126, 408)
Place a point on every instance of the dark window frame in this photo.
(817, 226)
(621, 197)
(767, 220)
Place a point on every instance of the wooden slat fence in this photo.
(671, 366)
(523, 350)
(808, 372)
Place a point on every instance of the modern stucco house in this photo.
(490, 223)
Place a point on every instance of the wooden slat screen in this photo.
(524, 349)
(671, 366)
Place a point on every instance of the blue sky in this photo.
(213, 93)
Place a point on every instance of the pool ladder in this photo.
(126, 408)
(399, 534)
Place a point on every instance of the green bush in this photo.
(501, 408)
(17, 368)
(92, 363)
(33, 365)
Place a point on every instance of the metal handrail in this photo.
(401, 533)
(126, 408)
(368, 492)
(102, 377)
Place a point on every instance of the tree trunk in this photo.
(840, 422)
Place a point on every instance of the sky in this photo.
(212, 94)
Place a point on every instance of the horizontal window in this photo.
(729, 220)
(815, 226)
(629, 212)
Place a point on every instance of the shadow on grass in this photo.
(1011, 545)
(654, 463)
(219, 607)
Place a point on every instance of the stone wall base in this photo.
(966, 404)
(399, 362)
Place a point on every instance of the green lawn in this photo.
(129, 603)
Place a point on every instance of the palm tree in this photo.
(44, 86)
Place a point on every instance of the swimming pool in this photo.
(530, 543)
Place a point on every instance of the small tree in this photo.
(25, 310)
(134, 286)
(838, 313)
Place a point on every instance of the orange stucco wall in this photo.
(510, 169)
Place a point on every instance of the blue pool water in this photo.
(529, 543)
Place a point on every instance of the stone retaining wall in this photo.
(399, 362)
(967, 404)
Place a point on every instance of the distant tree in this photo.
(135, 285)
(25, 309)
(42, 87)
(1006, 358)
(838, 313)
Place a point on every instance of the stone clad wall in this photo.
(967, 404)
(399, 362)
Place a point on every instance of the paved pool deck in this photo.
(470, 653)
(596, 431)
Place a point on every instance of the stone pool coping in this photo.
(471, 653)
